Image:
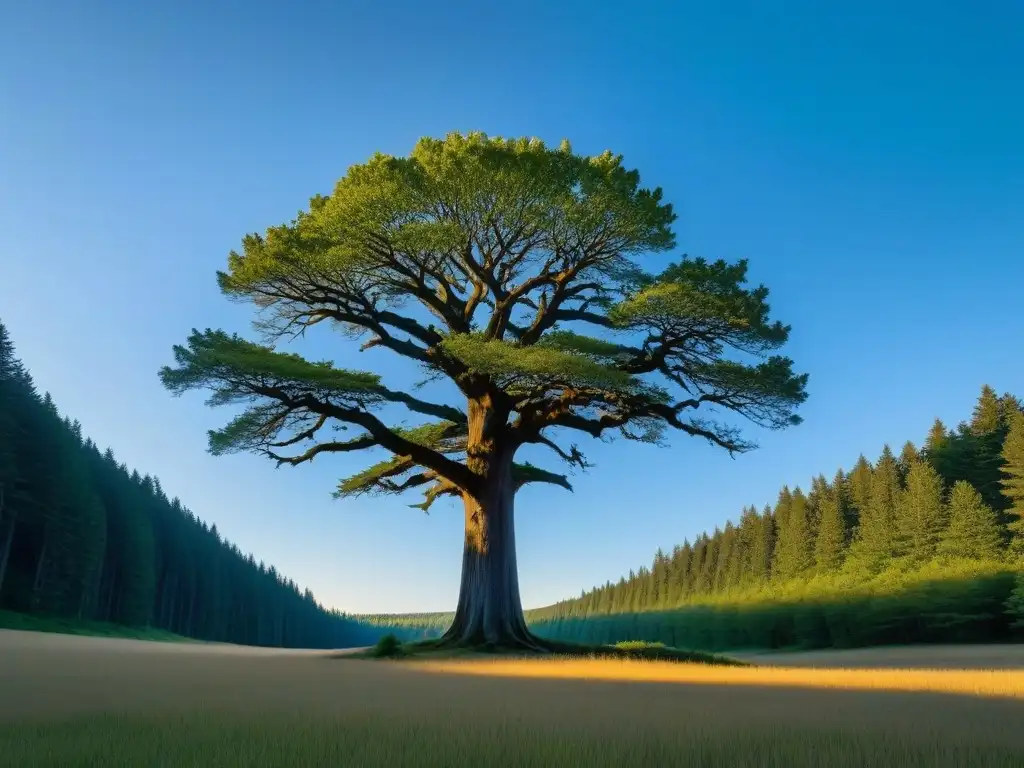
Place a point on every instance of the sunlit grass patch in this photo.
(975, 682)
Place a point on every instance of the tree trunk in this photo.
(489, 611)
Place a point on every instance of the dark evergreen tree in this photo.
(794, 549)
(875, 539)
(83, 538)
(1013, 481)
(987, 415)
(914, 507)
(973, 531)
(920, 513)
(908, 455)
(859, 485)
(830, 544)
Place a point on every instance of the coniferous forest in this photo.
(926, 544)
(921, 545)
(83, 537)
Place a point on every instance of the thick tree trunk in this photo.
(489, 611)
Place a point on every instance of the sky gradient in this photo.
(869, 163)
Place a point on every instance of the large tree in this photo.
(511, 273)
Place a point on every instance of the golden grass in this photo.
(92, 702)
(1005, 683)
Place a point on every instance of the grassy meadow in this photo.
(72, 626)
(90, 702)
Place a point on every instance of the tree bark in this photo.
(489, 610)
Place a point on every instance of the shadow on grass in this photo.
(429, 739)
(389, 647)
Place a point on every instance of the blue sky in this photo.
(869, 163)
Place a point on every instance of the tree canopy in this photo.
(515, 272)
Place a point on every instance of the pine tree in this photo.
(908, 455)
(748, 533)
(1008, 406)
(762, 547)
(679, 567)
(725, 554)
(1013, 482)
(794, 549)
(700, 552)
(873, 545)
(706, 582)
(859, 484)
(920, 513)
(937, 437)
(738, 556)
(986, 417)
(830, 544)
(819, 489)
(973, 530)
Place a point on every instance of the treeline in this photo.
(926, 545)
(84, 537)
(420, 626)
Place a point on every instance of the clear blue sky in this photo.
(870, 163)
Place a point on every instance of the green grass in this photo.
(173, 742)
(65, 626)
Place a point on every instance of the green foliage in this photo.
(445, 437)
(987, 416)
(1013, 479)
(1015, 605)
(591, 347)
(874, 543)
(500, 243)
(694, 296)
(832, 539)
(794, 547)
(636, 645)
(388, 647)
(920, 513)
(973, 530)
(67, 626)
(222, 363)
(901, 552)
(519, 368)
(88, 546)
(954, 601)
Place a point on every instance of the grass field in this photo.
(67, 701)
